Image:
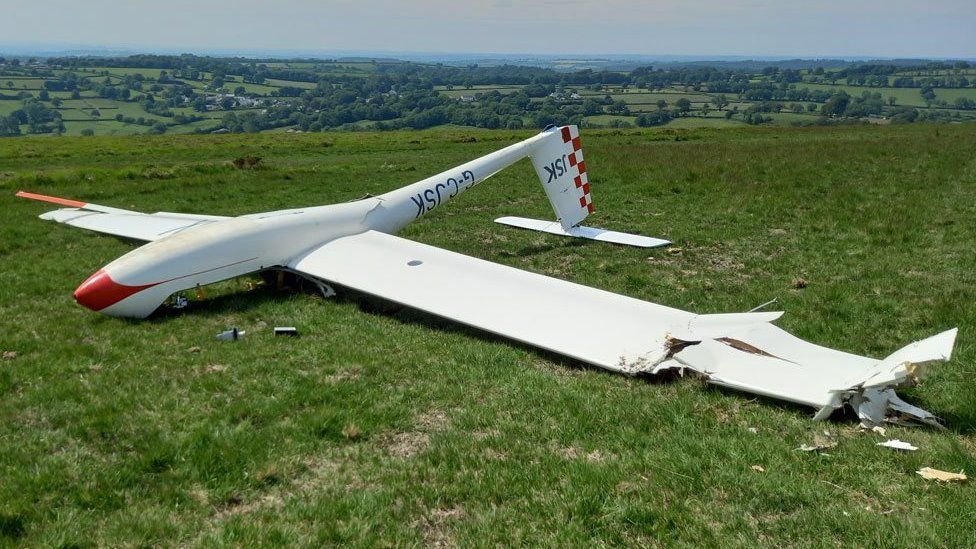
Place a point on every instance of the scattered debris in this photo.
(285, 331)
(758, 468)
(929, 473)
(212, 368)
(753, 430)
(878, 429)
(675, 250)
(772, 301)
(819, 444)
(231, 335)
(9, 355)
(898, 445)
(875, 405)
(798, 283)
(193, 350)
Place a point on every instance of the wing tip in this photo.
(51, 199)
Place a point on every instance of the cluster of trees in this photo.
(9, 125)
(946, 81)
(37, 117)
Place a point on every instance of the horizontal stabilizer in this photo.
(592, 233)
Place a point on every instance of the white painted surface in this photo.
(591, 233)
(557, 162)
(598, 327)
(134, 225)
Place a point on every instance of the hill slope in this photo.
(384, 425)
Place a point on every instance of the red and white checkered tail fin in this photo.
(558, 160)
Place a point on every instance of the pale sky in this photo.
(807, 28)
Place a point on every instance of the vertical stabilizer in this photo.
(558, 161)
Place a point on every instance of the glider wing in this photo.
(119, 222)
(739, 350)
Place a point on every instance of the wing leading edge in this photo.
(743, 351)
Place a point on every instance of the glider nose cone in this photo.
(100, 291)
(97, 291)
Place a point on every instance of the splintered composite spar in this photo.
(353, 245)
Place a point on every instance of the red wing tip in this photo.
(52, 199)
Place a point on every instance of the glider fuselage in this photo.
(137, 283)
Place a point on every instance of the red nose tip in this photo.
(100, 291)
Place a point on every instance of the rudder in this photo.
(559, 163)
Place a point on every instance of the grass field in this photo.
(76, 112)
(911, 97)
(687, 122)
(386, 426)
(602, 120)
(124, 71)
(7, 107)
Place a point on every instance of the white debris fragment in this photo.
(929, 473)
(761, 358)
(759, 468)
(898, 445)
(231, 335)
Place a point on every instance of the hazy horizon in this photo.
(689, 28)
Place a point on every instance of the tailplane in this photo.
(559, 163)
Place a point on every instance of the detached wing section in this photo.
(118, 222)
(743, 351)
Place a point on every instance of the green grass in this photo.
(259, 89)
(9, 106)
(109, 108)
(125, 71)
(21, 83)
(713, 121)
(786, 118)
(280, 83)
(105, 126)
(190, 127)
(382, 428)
(475, 90)
(606, 119)
(951, 94)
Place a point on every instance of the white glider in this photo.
(352, 245)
